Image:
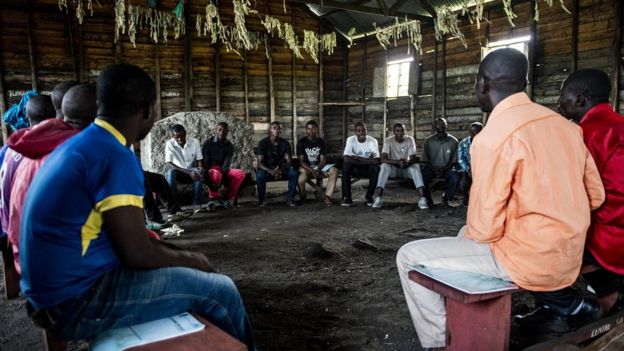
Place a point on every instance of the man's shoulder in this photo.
(451, 137)
(303, 141)
(389, 139)
(370, 139)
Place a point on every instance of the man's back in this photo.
(532, 177)
(62, 215)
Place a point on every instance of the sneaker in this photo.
(262, 203)
(211, 205)
(369, 202)
(291, 203)
(227, 204)
(422, 204)
(153, 225)
(346, 202)
(589, 311)
(196, 208)
(177, 217)
(378, 202)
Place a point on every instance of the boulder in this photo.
(199, 125)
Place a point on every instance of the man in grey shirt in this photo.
(398, 159)
(440, 159)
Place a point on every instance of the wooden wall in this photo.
(64, 50)
(554, 59)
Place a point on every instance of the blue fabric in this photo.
(15, 116)
(173, 176)
(59, 259)
(262, 176)
(125, 297)
(464, 154)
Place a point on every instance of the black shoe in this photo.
(347, 202)
(291, 203)
(590, 311)
(542, 324)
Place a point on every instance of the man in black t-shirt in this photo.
(275, 163)
(312, 152)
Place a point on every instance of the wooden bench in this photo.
(211, 338)
(473, 321)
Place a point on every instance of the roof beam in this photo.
(383, 7)
(428, 8)
(362, 9)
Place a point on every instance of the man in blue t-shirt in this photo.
(87, 263)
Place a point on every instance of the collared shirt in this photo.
(399, 151)
(64, 246)
(273, 154)
(354, 148)
(533, 186)
(217, 153)
(603, 131)
(183, 157)
(463, 153)
(440, 153)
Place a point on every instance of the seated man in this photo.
(464, 160)
(440, 159)
(361, 159)
(36, 144)
(398, 159)
(84, 210)
(312, 153)
(584, 99)
(523, 225)
(156, 183)
(217, 155)
(183, 159)
(274, 163)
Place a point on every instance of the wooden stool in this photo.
(473, 321)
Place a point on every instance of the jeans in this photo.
(123, 297)
(156, 183)
(452, 178)
(262, 177)
(350, 169)
(464, 185)
(174, 176)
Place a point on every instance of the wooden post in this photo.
(484, 115)
(385, 108)
(364, 59)
(81, 55)
(616, 58)
(345, 93)
(320, 96)
(217, 68)
(269, 49)
(157, 81)
(434, 85)
(31, 50)
(70, 45)
(532, 54)
(575, 25)
(3, 106)
(246, 86)
(118, 51)
(444, 77)
(188, 69)
(294, 91)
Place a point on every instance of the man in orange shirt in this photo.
(525, 223)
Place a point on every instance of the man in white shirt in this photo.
(361, 159)
(183, 159)
(398, 159)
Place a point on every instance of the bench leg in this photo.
(478, 326)
(52, 343)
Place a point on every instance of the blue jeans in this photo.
(452, 177)
(174, 176)
(262, 176)
(124, 297)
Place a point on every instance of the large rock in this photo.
(200, 125)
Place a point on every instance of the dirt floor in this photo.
(312, 277)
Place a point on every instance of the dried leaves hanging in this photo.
(80, 11)
(448, 23)
(159, 23)
(549, 3)
(328, 43)
(389, 35)
(350, 34)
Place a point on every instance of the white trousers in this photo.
(458, 253)
(389, 171)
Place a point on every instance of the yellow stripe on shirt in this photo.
(109, 127)
(93, 226)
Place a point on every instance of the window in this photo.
(521, 44)
(397, 78)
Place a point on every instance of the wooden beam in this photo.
(188, 69)
(616, 58)
(383, 7)
(69, 37)
(532, 51)
(363, 9)
(217, 68)
(575, 26)
(118, 49)
(435, 84)
(321, 91)
(397, 5)
(31, 51)
(246, 86)
(364, 60)
(269, 49)
(384, 130)
(345, 92)
(81, 55)
(294, 89)
(444, 77)
(157, 81)
(3, 101)
(428, 8)
(484, 115)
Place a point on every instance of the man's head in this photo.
(275, 129)
(221, 131)
(80, 106)
(581, 91)
(475, 128)
(440, 125)
(39, 108)
(178, 133)
(502, 73)
(399, 132)
(58, 93)
(312, 129)
(126, 92)
(360, 131)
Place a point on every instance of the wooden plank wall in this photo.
(217, 78)
(554, 60)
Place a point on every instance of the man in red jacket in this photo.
(584, 99)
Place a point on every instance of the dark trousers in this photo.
(464, 185)
(451, 176)
(564, 301)
(156, 183)
(174, 176)
(350, 169)
(262, 177)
